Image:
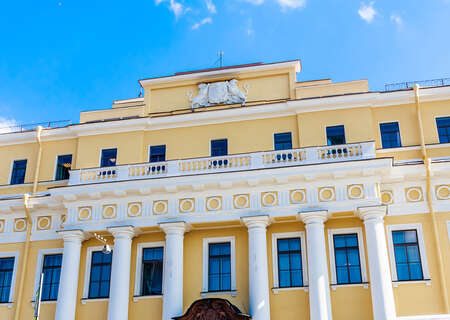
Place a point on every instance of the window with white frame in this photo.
(149, 269)
(219, 264)
(347, 259)
(98, 274)
(289, 260)
(407, 252)
(49, 262)
(8, 271)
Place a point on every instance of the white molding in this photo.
(427, 317)
(138, 274)
(284, 235)
(87, 273)
(40, 264)
(420, 240)
(362, 257)
(206, 242)
(15, 255)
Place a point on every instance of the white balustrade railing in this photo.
(255, 160)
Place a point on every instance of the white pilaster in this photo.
(173, 270)
(258, 270)
(120, 273)
(68, 283)
(383, 303)
(319, 284)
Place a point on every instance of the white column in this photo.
(319, 284)
(119, 293)
(173, 270)
(257, 265)
(68, 283)
(383, 303)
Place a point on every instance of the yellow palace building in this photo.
(233, 193)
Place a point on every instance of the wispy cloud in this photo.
(199, 24)
(367, 12)
(249, 30)
(255, 2)
(210, 6)
(7, 124)
(397, 19)
(291, 4)
(176, 7)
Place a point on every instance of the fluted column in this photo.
(258, 270)
(173, 270)
(319, 284)
(68, 283)
(383, 303)
(119, 293)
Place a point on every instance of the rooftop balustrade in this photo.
(229, 163)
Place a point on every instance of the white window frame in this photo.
(421, 242)
(206, 242)
(285, 235)
(15, 255)
(40, 267)
(362, 257)
(138, 274)
(87, 274)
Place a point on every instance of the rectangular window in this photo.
(100, 275)
(109, 158)
(52, 272)
(152, 266)
(157, 153)
(219, 147)
(335, 135)
(443, 127)
(347, 260)
(407, 255)
(219, 267)
(282, 141)
(390, 135)
(6, 273)
(290, 269)
(63, 165)
(18, 171)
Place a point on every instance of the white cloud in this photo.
(176, 7)
(6, 125)
(291, 4)
(397, 19)
(249, 30)
(210, 6)
(199, 24)
(255, 2)
(367, 12)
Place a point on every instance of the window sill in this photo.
(425, 281)
(84, 300)
(33, 303)
(277, 290)
(365, 285)
(7, 304)
(205, 294)
(156, 296)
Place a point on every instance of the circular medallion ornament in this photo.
(269, 199)
(160, 207)
(241, 201)
(134, 209)
(109, 211)
(297, 196)
(414, 194)
(387, 197)
(44, 223)
(20, 225)
(2, 226)
(84, 213)
(214, 203)
(355, 191)
(326, 194)
(443, 192)
(186, 205)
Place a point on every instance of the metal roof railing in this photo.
(32, 126)
(423, 83)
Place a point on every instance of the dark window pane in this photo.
(100, 275)
(335, 135)
(403, 271)
(219, 147)
(416, 271)
(219, 267)
(398, 237)
(63, 165)
(18, 172)
(283, 245)
(52, 272)
(407, 255)
(346, 252)
(6, 270)
(157, 153)
(283, 141)
(390, 135)
(443, 127)
(289, 263)
(342, 275)
(109, 158)
(355, 274)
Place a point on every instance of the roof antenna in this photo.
(220, 58)
(140, 92)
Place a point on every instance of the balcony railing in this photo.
(239, 162)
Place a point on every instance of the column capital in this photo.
(372, 213)
(68, 235)
(256, 221)
(127, 232)
(312, 217)
(174, 227)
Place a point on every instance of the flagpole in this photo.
(37, 306)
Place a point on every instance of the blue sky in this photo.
(60, 57)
